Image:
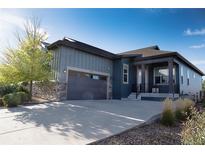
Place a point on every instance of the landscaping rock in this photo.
(49, 90)
(150, 134)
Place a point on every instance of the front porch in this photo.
(157, 77)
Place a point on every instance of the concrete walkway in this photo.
(72, 122)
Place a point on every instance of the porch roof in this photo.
(165, 57)
(146, 52)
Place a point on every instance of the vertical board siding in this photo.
(76, 58)
(121, 90)
(117, 78)
(56, 62)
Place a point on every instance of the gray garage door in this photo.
(85, 86)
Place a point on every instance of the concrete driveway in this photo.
(72, 122)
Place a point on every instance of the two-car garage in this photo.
(85, 85)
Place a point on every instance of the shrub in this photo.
(188, 104)
(11, 100)
(179, 112)
(7, 89)
(168, 118)
(193, 130)
(22, 89)
(180, 115)
(203, 103)
(183, 107)
(15, 99)
(24, 96)
(1, 102)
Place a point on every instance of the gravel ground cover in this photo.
(150, 134)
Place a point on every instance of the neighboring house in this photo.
(87, 72)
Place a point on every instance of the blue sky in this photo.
(117, 30)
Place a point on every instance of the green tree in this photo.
(27, 62)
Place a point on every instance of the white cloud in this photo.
(12, 19)
(9, 24)
(190, 32)
(197, 46)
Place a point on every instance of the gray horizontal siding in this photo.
(76, 58)
(195, 83)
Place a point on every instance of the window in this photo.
(187, 81)
(188, 77)
(161, 76)
(125, 73)
(95, 77)
(187, 73)
(182, 74)
(182, 80)
(182, 71)
(87, 75)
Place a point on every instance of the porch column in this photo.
(136, 84)
(170, 67)
(143, 78)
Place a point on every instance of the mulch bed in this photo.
(150, 134)
(36, 100)
(200, 106)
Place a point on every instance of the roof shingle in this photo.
(146, 52)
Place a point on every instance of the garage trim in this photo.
(87, 71)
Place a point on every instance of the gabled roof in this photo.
(146, 52)
(155, 52)
(141, 54)
(82, 46)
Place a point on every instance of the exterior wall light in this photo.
(64, 71)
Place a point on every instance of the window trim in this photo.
(164, 67)
(125, 66)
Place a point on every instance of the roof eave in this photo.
(173, 54)
(64, 43)
(190, 64)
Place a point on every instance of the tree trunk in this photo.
(30, 90)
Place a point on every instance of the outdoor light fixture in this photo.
(64, 71)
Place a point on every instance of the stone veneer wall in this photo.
(49, 90)
(56, 90)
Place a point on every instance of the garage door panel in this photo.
(82, 88)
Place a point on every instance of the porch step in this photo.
(131, 97)
(151, 96)
(161, 95)
(157, 96)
